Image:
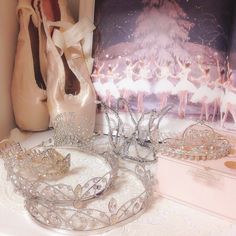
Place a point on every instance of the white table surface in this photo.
(164, 218)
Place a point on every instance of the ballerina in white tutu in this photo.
(142, 85)
(204, 93)
(98, 81)
(109, 86)
(217, 91)
(229, 99)
(126, 84)
(184, 87)
(163, 87)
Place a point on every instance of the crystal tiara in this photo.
(137, 140)
(9, 149)
(198, 142)
(42, 165)
(89, 219)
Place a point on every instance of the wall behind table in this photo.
(8, 37)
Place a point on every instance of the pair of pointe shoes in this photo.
(51, 75)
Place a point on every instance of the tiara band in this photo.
(89, 220)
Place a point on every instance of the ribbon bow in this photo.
(72, 35)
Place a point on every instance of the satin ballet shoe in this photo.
(69, 87)
(28, 89)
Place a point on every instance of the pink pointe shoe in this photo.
(69, 87)
(28, 83)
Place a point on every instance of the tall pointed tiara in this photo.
(138, 140)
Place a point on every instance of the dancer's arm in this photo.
(201, 68)
(133, 66)
(180, 63)
(197, 80)
(232, 88)
(101, 67)
(157, 65)
(174, 76)
(218, 66)
(115, 67)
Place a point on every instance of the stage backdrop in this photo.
(159, 52)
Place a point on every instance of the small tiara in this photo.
(135, 142)
(67, 133)
(92, 219)
(9, 149)
(198, 142)
(42, 164)
(34, 184)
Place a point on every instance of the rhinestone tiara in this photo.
(68, 134)
(9, 149)
(198, 142)
(40, 164)
(34, 184)
(137, 140)
(89, 219)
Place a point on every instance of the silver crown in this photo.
(198, 142)
(89, 219)
(136, 141)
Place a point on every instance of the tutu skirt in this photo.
(164, 86)
(229, 98)
(126, 84)
(112, 89)
(203, 93)
(216, 93)
(99, 88)
(142, 86)
(185, 85)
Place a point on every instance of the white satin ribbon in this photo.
(72, 35)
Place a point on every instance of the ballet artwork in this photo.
(159, 52)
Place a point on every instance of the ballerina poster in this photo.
(159, 52)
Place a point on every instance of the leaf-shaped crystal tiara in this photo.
(138, 141)
(34, 183)
(198, 142)
(91, 220)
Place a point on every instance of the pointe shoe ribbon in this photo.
(72, 36)
(24, 4)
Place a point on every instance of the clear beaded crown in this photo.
(198, 142)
